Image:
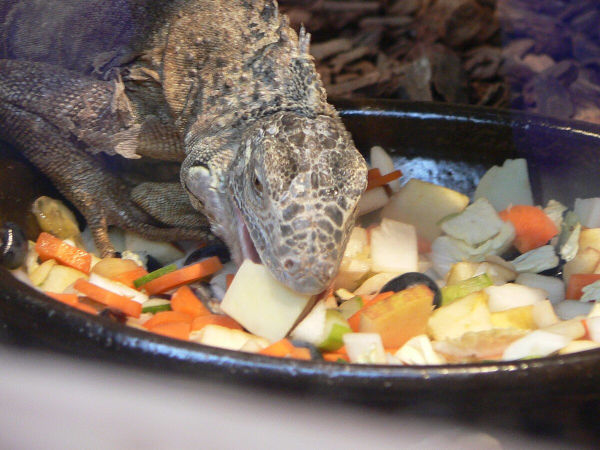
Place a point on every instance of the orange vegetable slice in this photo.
(128, 277)
(215, 319)
(533, 227)
(382, 180)
(280, 349)
(185, 275)
(166, 317)
(577, 282)
(177, 330)
(50, 247)
(68, 299)
(108, 298)
(184, 300)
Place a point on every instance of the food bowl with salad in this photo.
(469, 259)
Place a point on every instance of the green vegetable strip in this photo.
(153, 275)
(464, 288)
(157, 308)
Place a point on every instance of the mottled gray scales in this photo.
(225, 87)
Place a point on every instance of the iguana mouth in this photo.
(247, 246)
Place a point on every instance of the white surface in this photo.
(52, 402)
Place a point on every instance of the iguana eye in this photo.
(258, 187)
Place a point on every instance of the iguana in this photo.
(225, 88)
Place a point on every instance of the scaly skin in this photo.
(224, 87)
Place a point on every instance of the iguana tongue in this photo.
(246, 244)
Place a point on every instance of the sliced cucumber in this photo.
(154, 275)
(155, 305)
(464, 288)
(335, 329)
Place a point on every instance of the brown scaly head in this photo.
(296, 181)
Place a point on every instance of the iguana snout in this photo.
(296, 181)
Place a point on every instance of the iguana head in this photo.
(296, 181)
(291, 190)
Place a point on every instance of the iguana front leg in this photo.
(62, 121)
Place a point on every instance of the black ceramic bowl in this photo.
(446, 144)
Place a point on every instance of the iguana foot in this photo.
(55, 121)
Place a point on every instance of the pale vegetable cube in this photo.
(372, 200)
(419, 351)
(261, 304)
(358, 244)
(41, 272)
(60, 278)
(382, 161)
(578, 346)
(394, 247)
(595, 311)
(351, 273)
(590, 237)
(223, 337)
(585, 261)
(568, 309)
(364, 348)
(461, 271)
(543, 314)
(164, 252)
(554, 287)
(476, 224)
(538, 343)
(506, 185)
(572, 328)
(512, 295)
(469, 313)
(520, 318)
(588, 211)
(312, 328)
(423, 205)
(555, 210)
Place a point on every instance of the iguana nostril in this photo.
(289, 264)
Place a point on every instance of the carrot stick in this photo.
(215, 319)
(177, 330)
(108, 298)
(300, 353)
(185, 275)
(577, 282)
(68, 299)
(184, 300)
(533, 227)
(50, 247)
(86, 308)
(166, 317)
(127, 277)
(281, 349)
(383, 179)
(373, 174)
(354, 320)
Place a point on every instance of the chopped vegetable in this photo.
(116, 267)
(423, 205)
(506, 185)
(69, 299)
(167, 316)
(184, 300)
(108, 298)
(511, 295)
(185, 275)
(335, 328)
(50, 247)
(372, 200)
(382, 161)
(214, 319)
(376, 179)
(281, 349)
(477, 283)
(146, 278)
(364, 348)
(399, 317)
(217, 335)
(60, 278)
(418, 350)
(394, 247)
(577, 282)
(478, 223)
(469, 313)
(128, 278)
(536, 260)
(176, 330)
(588, 211)
(155, 305)
(532, 226)
(568, 239)
(535, 345)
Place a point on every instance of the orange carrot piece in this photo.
(229, 279)
(177, 330)
(383, 179)
(128, 277)
(69, 299)
(334, 356)
(354, 320)
(86, 308)
(577, 282)
(280, 349)
(300, 353)
(166, 317)
(373, 174)
(184, 300)
(108, 298)
(185, 275)
(50, 247)
(533, 227)
(215, 319)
